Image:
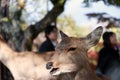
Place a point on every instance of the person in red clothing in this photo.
(109, 61)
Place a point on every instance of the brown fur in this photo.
(72, 56)
(25, 65)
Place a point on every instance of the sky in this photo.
(73, 7)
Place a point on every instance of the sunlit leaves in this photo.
(21, 3)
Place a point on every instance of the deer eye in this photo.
(72, 49)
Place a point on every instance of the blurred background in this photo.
(22, 22)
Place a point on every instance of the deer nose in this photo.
(49, 65)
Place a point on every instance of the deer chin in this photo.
(58, 72)
(63, 70)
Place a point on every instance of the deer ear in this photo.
(63, 35)
(93, 38)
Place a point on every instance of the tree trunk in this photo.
(33, 30)
(12, 33)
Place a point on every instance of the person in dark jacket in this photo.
(51, 34)
(108, 61)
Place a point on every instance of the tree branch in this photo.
(101, 17)
(12, 33)
(33, 30)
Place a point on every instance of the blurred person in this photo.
(108, 61)
(51, 34)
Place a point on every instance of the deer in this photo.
(72, 57)
(26, 65)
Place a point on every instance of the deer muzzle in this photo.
(49, 65)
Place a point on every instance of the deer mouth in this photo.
(58, 71)
(55, 71)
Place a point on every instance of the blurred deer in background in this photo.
(72, 58)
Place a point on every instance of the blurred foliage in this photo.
(68, 25)
(21, 3)
(107, 2)
(105, 18)
(57, 1)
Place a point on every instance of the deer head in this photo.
(73, 52)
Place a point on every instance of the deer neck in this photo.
(6, 53)
(86, 73)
